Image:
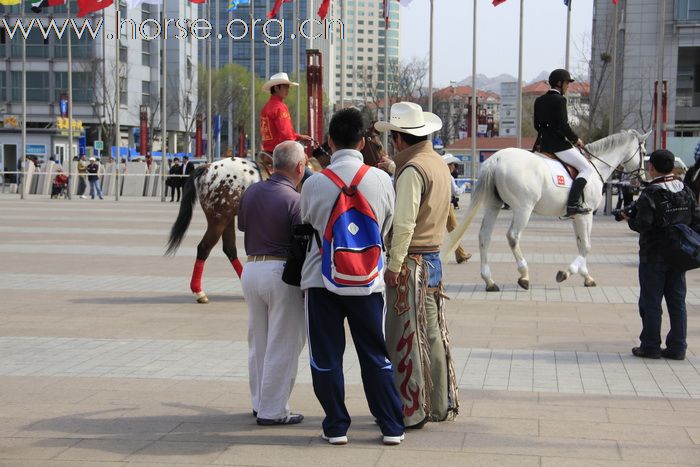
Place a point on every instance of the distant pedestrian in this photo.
(82, 176)
(174, 181)
(461, 255)
(666, 201)
(326, 308)
(93, 169)
(275, 310)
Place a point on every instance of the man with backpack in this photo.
(664, 203)
(416, 329)
(350, 206)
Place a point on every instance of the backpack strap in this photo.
(339, 182)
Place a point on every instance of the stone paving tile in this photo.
(402, 458)
(551, 446)
(664, 435)
(102, 450)
(565, 462)
(490, 369)
(659, 452)
(25, 448)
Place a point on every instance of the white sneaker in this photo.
(83, 197)
(336, 440)
(392, 440)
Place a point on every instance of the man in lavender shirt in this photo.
(275, 310)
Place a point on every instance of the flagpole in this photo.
(568, 34)
(163, 106)
(475, 157)
(67, 167)
(385, 135)
(297, 67)
(210, 135)
(117, 97)
(343, 84)
(611, 117)
(430, 59)
(252, 79)
(280, 51)
(520, 79)
(23, 187)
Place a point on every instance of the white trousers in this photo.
(276, 335)
(574, 157)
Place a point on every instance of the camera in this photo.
(629, 211)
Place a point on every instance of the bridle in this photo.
(636, 173)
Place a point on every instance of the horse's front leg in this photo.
(487, 225)
(520, 220)
(582, 228)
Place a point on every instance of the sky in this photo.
(544, 36)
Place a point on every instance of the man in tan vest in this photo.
(416, 331)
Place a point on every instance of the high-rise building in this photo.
(365, 41)
(94, 67)
(638, 56)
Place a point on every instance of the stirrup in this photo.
(572, 211)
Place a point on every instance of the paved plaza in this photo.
(105, 358)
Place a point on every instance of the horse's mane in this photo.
(608, 143)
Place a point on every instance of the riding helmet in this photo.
(559, 75)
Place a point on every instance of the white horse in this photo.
(523, 181)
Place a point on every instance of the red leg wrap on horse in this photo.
(237, 266)
(196, 282)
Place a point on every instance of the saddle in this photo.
(569, 168)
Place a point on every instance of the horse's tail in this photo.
(184, 216)
(484, 185)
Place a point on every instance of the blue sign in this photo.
(36, 150)
(63, 105)
(82, 146)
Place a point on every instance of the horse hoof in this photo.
(562, 276)
(492, 288)
(524, 283)
(590, 283)
(201, 297)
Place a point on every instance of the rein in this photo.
(634, 173)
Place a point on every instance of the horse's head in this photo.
(625, 149)
(373, 150)
(635, 163)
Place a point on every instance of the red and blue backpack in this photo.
(351, 253)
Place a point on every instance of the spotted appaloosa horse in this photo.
(219, 187)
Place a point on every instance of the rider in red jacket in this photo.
(275, 122)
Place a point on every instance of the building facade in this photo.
(638, 56)
(453, 105)
(94, 71)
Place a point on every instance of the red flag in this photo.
(498, 2)
(323, 9)
(615, 2)
(198, 1)
(90, 6)
(276, 8)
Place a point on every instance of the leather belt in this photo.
(255, 259)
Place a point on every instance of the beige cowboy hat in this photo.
(407, 117)
(276, 79)
(450, 159)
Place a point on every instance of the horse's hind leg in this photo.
(487, 225)
(211, 237)
(229, 244)
(582, 229)
(520, 220)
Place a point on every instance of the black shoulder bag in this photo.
(301, 245)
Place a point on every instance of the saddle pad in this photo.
(560, 177)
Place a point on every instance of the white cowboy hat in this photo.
(276, 79)
(407, 117)
(92, 159)
(450, 159)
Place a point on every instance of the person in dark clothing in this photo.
(692, 176)
(555, 135)
(666, 201)
(93, 169)
(174, 180)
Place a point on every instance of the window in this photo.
(145, 53)
(123, 55)
(688, 10)
(123, 96)
(145, 93)
(37, 86)
(83, 84)
(3, 86)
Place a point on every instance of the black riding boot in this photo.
(574, 205)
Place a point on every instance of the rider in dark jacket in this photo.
(666, 201)
(554, 134)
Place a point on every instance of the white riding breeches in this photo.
(574, 158)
